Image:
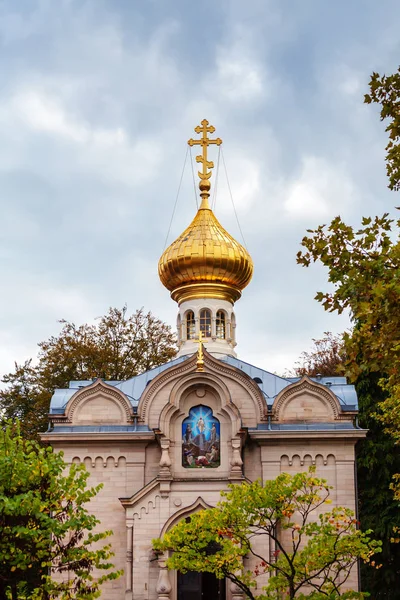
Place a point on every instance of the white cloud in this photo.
(244, 183)
(97, 102)
(239, 77)
(320, 189)
(107, 150)
(45, 114)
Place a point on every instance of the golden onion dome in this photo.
(205, 261)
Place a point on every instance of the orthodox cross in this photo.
(204, 141)
(200, 355)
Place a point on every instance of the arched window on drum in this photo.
(190, 325)
(205, 322)
(221, 325)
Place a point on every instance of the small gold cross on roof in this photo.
(200, 355)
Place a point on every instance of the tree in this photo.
(117, 347)
(325, 358)
(364, 266)
(385, 90)
(45, 529)
(310, 559)
(378, 459)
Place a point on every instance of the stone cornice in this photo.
(103, 436)
(268, 435)
(139, 495)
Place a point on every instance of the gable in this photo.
(98, 403)
(306, 400)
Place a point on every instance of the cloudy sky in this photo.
(97, 101)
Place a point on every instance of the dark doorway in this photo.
(200, 586)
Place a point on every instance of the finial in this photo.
(205, 174)
(200, 355)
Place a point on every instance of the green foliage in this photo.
(117, 347)
(316, 553)
(378, 459)
(364, 267)
(45, 530)
(385, 90)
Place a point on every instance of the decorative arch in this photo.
(228, 371)
(199, 504)
(313, 389)
(217, 375)
(104, 393)
(158, 382)
(204, 382)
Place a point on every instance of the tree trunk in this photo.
(3, 595)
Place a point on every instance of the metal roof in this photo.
(269, 383)
(102, 428)
(304, 426)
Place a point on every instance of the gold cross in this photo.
(200, 355)
(204, 141)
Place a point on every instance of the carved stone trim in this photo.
(243, 378)
(140, 494)
(236, 592)
(98, 387)
(305, 384)
(209, 381)
(165, 460)
(164, 586)
(129, 555)
(162, 379)
(215, 368)
(236, 460)
(199, 504)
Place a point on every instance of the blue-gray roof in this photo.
(269, 383)
(304, 426)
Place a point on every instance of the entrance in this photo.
(200, 586)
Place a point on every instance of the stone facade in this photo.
(134, 447)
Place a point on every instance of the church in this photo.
(166, 442)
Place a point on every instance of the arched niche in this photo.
(239, 395)
(199, 389)
(306, 400)
(98, 404)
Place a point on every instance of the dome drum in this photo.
(211, 289)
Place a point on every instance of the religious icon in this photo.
(201, 439)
